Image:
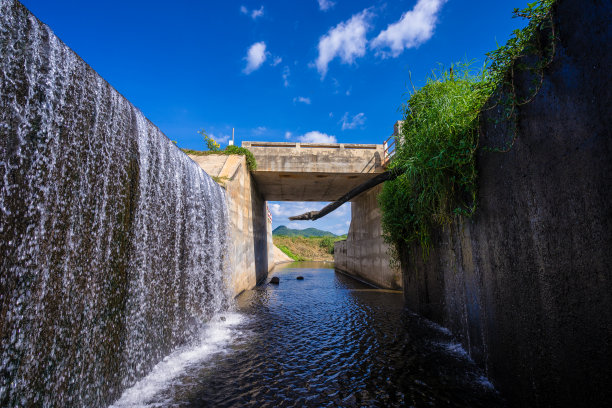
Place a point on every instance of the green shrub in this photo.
(436, 157)
(328, 244)
(250, 159)
(439, 136)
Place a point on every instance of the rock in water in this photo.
(300, 278)
(275, 280)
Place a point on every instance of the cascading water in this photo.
(112, 241)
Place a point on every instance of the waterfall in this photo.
(112, 241)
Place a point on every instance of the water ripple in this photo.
(328, 341)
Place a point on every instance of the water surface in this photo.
(329, 340)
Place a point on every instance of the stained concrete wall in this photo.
(364, 254)
(252, 252)
(527, 283)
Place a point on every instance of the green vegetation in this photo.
(436, 156)
(302, 248)
(250, 159)
(530, 50)
(214, 148)
(212, 145)
(290, 254)
(308, 232)
(537, 38)
(327, 243)
(220, 180)
(440, 134)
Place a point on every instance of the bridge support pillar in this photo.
(251, 252)
(364, 255)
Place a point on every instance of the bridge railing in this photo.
(390, 144)
(389, 150)
(299, 145)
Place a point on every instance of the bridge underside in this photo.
(312, 172)
(297, 186)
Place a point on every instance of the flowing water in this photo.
(327, 340)
(112, 241)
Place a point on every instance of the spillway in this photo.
(112, 241)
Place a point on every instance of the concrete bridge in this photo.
(303, 172)
(313, 171)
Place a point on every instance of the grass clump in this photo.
(250, 159)
(439, 137)
(436, 156)
(290, 254)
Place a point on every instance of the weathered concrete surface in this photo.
(250, 231)
(527, 283)
(364, 254)
(313, 172)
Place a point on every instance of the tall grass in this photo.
(439, 138)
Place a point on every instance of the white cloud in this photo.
(288, 135)
(317, 137)
(257, 13)
(337, 221)
(413, 29)
(256, 56)
(260, 130)
(276, 61)
(220, 138)
(346, 40)
(357, 120)
(254, 13)
(325, 5)
(331, 114)
(301, 99)
(286, 73)
(275, 209)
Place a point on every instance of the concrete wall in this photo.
(363, 254)
(527, 283)
(252, 253)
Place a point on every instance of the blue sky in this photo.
(302, 70)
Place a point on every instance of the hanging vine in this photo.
(538, 38)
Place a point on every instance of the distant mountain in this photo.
(308, 232)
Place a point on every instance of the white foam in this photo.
(455, 349)
(484, 381)
(214, 337)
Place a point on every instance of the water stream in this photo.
(326, 340)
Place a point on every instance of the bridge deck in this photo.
(313, 171)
